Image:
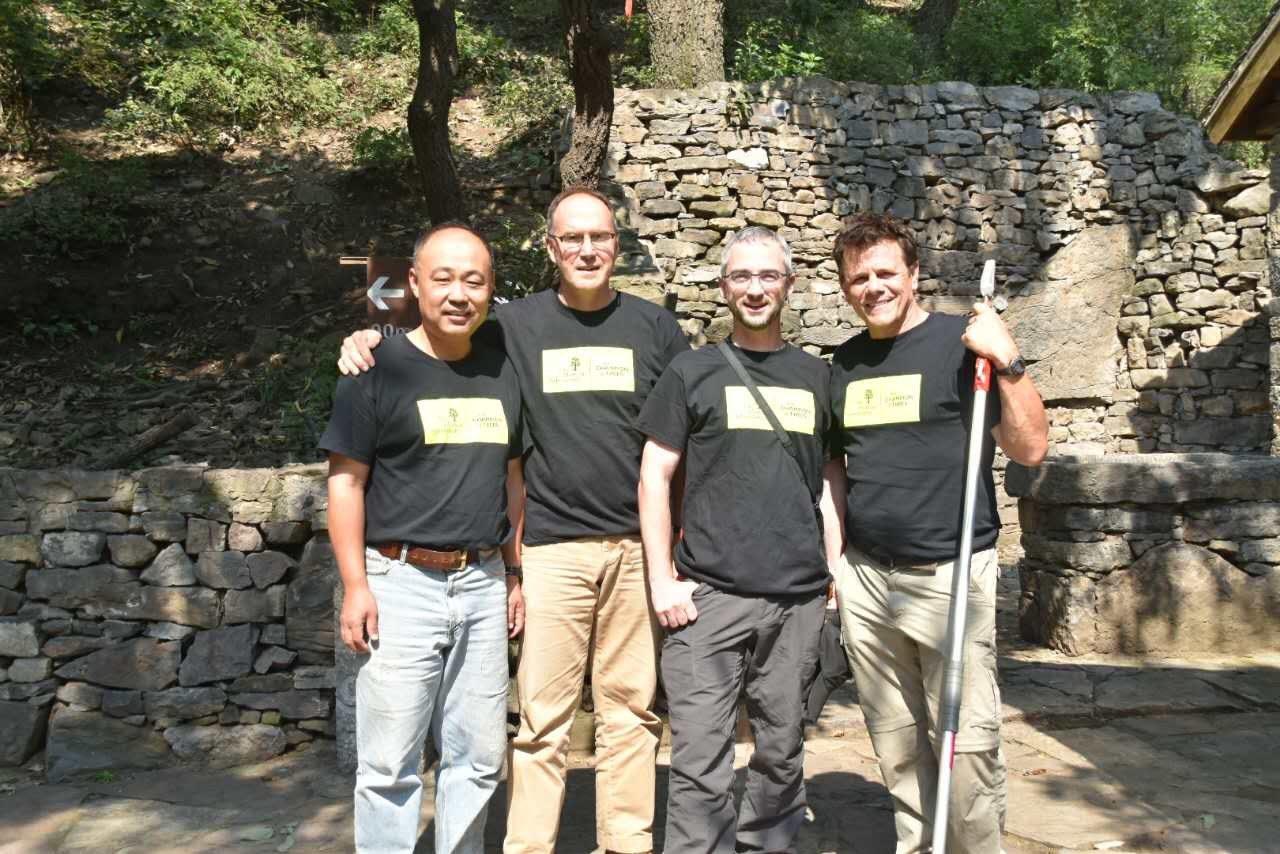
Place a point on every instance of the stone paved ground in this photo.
(1104, 754)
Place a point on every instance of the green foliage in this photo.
(299, 388)
(761, 54)
(84, 211)
(193, 70)
(392, 31)
(383, 149)
(631, 64)
(518, 253)
(822, 37)
(1180, 49)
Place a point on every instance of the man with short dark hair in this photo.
(424, 488)
(902, 395)
(586, 357)
(743, 596)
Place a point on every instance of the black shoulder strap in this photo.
(726, 349)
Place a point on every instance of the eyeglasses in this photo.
(572, 241)
(766, 277)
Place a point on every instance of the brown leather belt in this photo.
(425, 558)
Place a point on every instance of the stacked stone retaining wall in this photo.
(1132, 257)
(170, 614)
(1165, 554)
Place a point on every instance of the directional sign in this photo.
(389, 304)
(379, 289)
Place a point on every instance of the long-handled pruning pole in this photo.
(953, 672)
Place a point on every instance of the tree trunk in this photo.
(429, 109)
(592, 94)
(17, 115)
(686, 42)
(932, 22)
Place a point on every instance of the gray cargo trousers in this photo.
(755, 647)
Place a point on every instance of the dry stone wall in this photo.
(1136, 554)
(177, 614)
(1132, 258)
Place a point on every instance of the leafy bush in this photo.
(392, 31)
(762, 54)
(84, 211)
(1180, 49)
(871, 46)
(192, 69)
(384, 150)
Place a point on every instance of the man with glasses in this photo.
(586, 357)
(743, 599)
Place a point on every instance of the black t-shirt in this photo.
(749, 522)
(437, 437)
(584, 376)
(903, 407)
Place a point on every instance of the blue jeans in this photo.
(441, 664)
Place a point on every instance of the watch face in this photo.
(1017, 367)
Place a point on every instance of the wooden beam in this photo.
(1250, 77)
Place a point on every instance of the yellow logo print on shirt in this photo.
(588, 369)
(882, 400)
(463, 421)
(793, 406)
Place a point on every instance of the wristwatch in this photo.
(1016, 368)
(517, 571)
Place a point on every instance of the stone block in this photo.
(263, 683)
(1147, 479)
(165, 526)
(80, 694)
(73, 646)
(1101, 556)
(11, 574)
(253, 606)
(22, 729)
(131, 550)
(73, 548)
(97, 520)
(1255, 201)
(1232, 521)
(73, 588)
(19, 638)
(146, 664)
(10, 602)
(309, 617)
(244, 538)
(273, 658)
(219, 654)
(205, 535)
(188, 606)
(82, 743)
(169, 631)
(312, 678)
(224, 747)
(171, 568)
(285, 533)
(122, 704)
(28, 670)
(37, 692)
(1184, 599)
(294, 705)
(184, 703)
(225, 569)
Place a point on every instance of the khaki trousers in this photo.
(586, 600)
(894, 625)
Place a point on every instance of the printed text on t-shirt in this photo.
(794, 408)
(588, 369)
(463, 421)
(882, 400)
